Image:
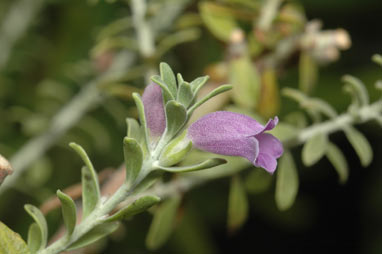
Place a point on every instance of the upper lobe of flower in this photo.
(235, 134)
(154, 111)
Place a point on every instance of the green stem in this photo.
(95, 218)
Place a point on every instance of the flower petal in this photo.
(270, 145)
(270, 149)
(247, 147)
(154, 111)
(225, 125)
(266, 161)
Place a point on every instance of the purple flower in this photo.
(235, 134)
(154, 111)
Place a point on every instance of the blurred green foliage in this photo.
(70, 43)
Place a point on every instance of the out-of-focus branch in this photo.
(14, 24)
(66, 118)
(144, 33)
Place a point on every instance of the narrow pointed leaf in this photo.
(185, 95)
(210, 163)
(176, 116)
(287, 182)
(167, 94)
(338, 160)
(360, 145)
(34, 238)
(69, 213)
(314, 149)
(142, 118)
(213, 93)
(82, 153)
(95, 234)
(90, 186)
(90, 192)
(168, 77)
(163, 223)
(237, 204)
(11, 242)
(39, 218)
(133, 158)
(133, 128)
(357, 88)
(198, 83)
(179, 78)
(258, 181)
(140, 205)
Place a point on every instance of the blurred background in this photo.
(68, 68)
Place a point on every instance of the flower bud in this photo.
(175, 151)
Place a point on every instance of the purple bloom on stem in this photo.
(235, 134)
(154, 111)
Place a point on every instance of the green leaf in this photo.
(39, 218)
(360, 145)
(176, 116)
(69, 213)
(90, 191)
(237, 204)
(133, 128)
(138, 206)
(85, 158)
(95, 234)
(133, 158)
(269, 101)
(213, 93)
(163, 223)
(142, 118)
(167, 94)
(34, 238)
(198, 83)
(185, 95)
(176, 150)
(258, 181)
(314, 149)
(179, 78)
(11, 242)
(338, 160)
(245, 79)
(90, 186)
(286, 183)
(308, 72)
(357, 89)
(168, 77)
(210, 163)
(218, 19)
